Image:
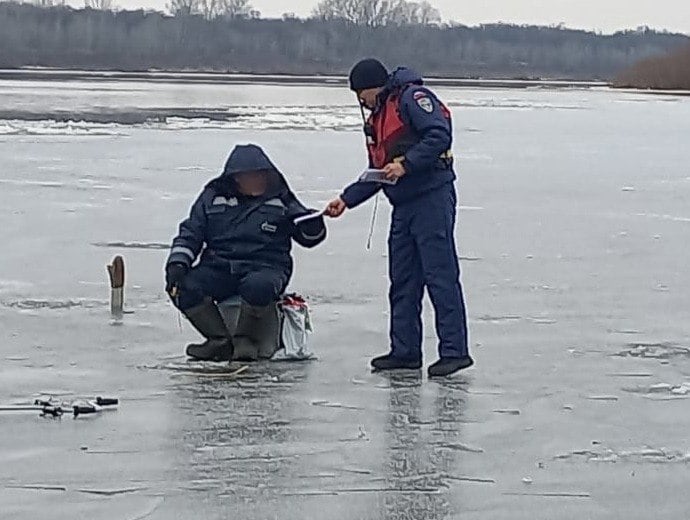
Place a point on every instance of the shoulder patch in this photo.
(425, 103)
(423, 98)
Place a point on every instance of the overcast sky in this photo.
(603, 15)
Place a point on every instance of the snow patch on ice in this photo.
(250, 117)
(243, 117)
(654, 350)
(514, 104)
(132, 245)
(40, 184)
(274, 117)
(640, 455)
(55, 128)
(673, 218)
(662, 391)
(192, 169)
(13, 285)
(499, 319)
(30, 304)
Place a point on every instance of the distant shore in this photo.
(236, 78)
(39, 74)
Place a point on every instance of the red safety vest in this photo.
(388, 137)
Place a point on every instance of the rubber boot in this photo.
(258, 332)
(206, 318)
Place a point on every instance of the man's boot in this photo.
(448, 366)
(390, 362)
(206, 318)
(258, 332)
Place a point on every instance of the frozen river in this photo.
(574, 228)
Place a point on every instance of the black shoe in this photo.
(392, 363)
(447, 366)
(206, 318)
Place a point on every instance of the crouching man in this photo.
(242, 227)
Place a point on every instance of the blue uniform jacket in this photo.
(420, 109)
(245, 233)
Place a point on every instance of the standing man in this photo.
(409, 137)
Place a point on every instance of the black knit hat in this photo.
(369, 73)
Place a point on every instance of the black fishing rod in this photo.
(50, 408)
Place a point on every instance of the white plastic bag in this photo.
(295, 329)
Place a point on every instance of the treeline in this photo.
(670, 72)
(139, 40)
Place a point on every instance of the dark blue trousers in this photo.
(258, 287)
(422, 254)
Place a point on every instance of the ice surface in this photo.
(108, 108)
(565, 314)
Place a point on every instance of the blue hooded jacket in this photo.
(240, 232)
(421, 111)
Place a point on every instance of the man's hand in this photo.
(174, 274)
(336, 208)
(394, 170)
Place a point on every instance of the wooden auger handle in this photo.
(117, 273)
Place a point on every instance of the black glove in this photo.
(174, 274)
(310, 232)
(313, 226)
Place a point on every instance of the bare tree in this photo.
(99, 5)
(375, 13)
(328, 10)
(385, 12)
(183, 7)
(423, 13)
(137, 40)
(358, 12)
(209, 9)
(236, 9)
